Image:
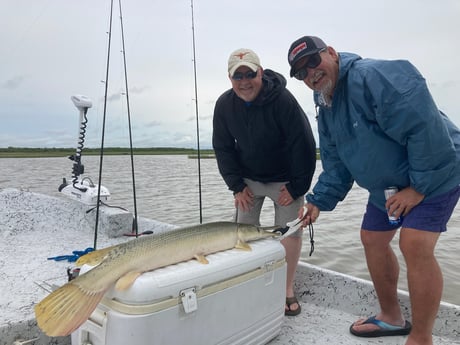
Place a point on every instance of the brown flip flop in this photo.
(290, 301)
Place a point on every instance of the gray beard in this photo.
(325, 95)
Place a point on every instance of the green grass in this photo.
(31, 152)
(28, 152)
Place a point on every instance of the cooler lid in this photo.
(168, 282)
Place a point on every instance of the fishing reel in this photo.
(82, 188)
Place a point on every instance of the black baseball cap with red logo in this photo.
(304, 46)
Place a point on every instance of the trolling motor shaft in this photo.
(82, 189)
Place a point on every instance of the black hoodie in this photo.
(268, 140)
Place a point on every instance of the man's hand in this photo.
(244, 199)
(310, 216)
(285, 197)
(403, 202)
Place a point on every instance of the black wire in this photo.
(77, 168)
(106, 205)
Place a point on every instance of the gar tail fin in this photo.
(66, 309)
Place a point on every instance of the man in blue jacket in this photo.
(379, 126)
(264, 147)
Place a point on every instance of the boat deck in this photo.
(31, 231)
(331, 302)
(324, 325)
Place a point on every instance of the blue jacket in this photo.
(268, 140)
(382, 130)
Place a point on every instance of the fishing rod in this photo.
(135, 227)
(197, 117)
(106, 83)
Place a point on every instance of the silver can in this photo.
(389, 192)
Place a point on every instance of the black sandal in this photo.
(290, 301)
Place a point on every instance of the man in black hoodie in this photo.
(264, 147)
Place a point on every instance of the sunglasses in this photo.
(241, 75)
(312, 62)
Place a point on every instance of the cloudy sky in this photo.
(52, 49)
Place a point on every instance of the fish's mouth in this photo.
(275, 229)
(282, 232)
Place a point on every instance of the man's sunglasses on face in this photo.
(241, 75)
(312, 62)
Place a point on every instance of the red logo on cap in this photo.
(241, 55)
(297, 50)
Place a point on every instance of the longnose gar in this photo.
(68, 307)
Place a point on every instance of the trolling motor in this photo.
(82, 188)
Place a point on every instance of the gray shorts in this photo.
(283, 214)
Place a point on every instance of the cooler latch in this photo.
(269, 272)
(189, 301)
(268, 266)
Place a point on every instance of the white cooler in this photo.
(238, 298)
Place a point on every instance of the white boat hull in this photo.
(35, 226)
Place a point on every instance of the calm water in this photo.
(167, 190)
